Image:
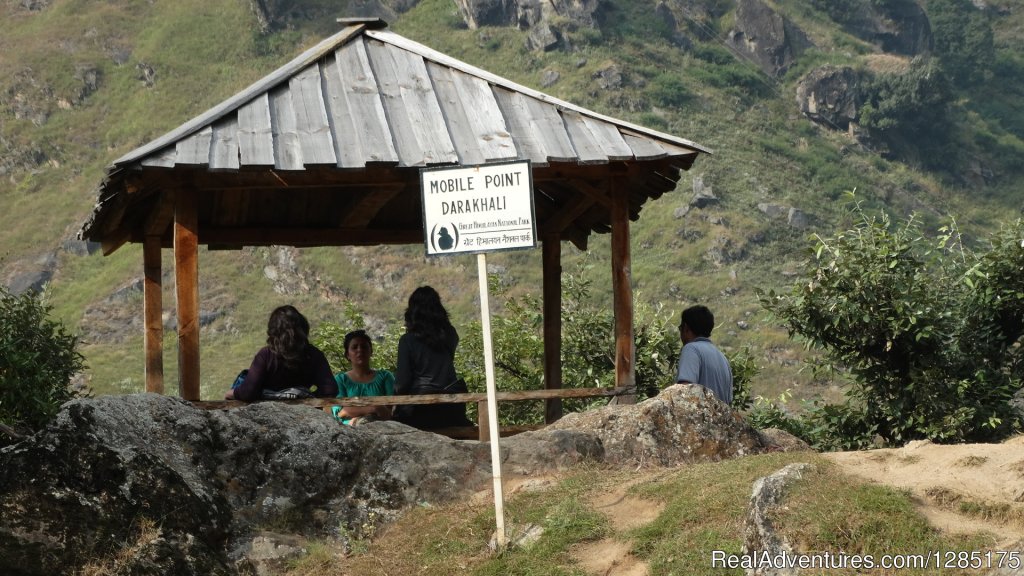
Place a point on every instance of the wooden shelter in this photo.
(326, 151)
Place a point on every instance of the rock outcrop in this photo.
(281, 14)
(759, 535)
(762, 35)
(546, 20)
(687, 418)
(830, 95)
(170, 488)
(899, 27)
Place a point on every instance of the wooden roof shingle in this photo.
(344, 129)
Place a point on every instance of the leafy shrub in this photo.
(914, 103)
(37, 360)
(744, 368)
(962, 40)
(588, 349)
(926, 329)
(825, 427)
(329, 337)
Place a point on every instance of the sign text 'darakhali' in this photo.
(478, 209)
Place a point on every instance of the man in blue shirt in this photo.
(701, 362)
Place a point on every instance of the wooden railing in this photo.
(480, 431)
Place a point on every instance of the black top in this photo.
(422, 369)
(268, 372)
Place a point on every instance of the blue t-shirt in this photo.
(701, 363)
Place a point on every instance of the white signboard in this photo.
(478, 209)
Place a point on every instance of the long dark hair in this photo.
(426, 318)
(288, 335)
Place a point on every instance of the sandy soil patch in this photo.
(991, 474)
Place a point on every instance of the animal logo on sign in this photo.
(442, 240)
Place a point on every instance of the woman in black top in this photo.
(287, 361)
(426, 363)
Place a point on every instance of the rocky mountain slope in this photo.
(793, 96)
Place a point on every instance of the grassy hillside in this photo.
(83, 83)
(601, 521)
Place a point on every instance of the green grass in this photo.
(826, 511)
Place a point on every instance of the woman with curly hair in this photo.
(426, 363)
(287, 362)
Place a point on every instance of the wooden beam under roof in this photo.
(367, 206)
(308, 237)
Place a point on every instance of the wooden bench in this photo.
(481, 431)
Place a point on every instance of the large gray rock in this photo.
(896, 26)
(765, 37)
(526, 14)
(546, 20)
(685, 423)
(830, 95)
(759, 535)
(176, 489)
(282, 14)
(31, 274)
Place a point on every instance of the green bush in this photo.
(329, 337)
(744, 368)
(927, 330)
(962, 40)
(915, 102)
(37, 360)
(588, 349)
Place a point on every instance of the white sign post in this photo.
(481, 209)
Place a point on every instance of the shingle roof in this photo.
(367, 100)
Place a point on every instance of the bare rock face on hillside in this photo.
(830, 95)
(764, 36)
(899, 27)
(173, 489)
(525, 14)
(280, 14)
(546, 20)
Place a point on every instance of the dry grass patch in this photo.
(971, 461)
(1003, 512)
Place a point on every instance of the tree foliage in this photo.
(38, 357)
(963, 40)
(927, 329)
(588, 349)
(913, 103)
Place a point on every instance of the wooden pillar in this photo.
(152, 294)
(622, 290)
(552, 297)
(482, 424)
(186, 283)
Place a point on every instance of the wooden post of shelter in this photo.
(186, 282)
(552, 297)
(622, 289)
(152, 290)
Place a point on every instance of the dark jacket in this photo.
(268, 372)
(422, 369)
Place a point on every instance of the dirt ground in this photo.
(938, 477)
(941, 477)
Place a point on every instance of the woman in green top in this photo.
(362, 380)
